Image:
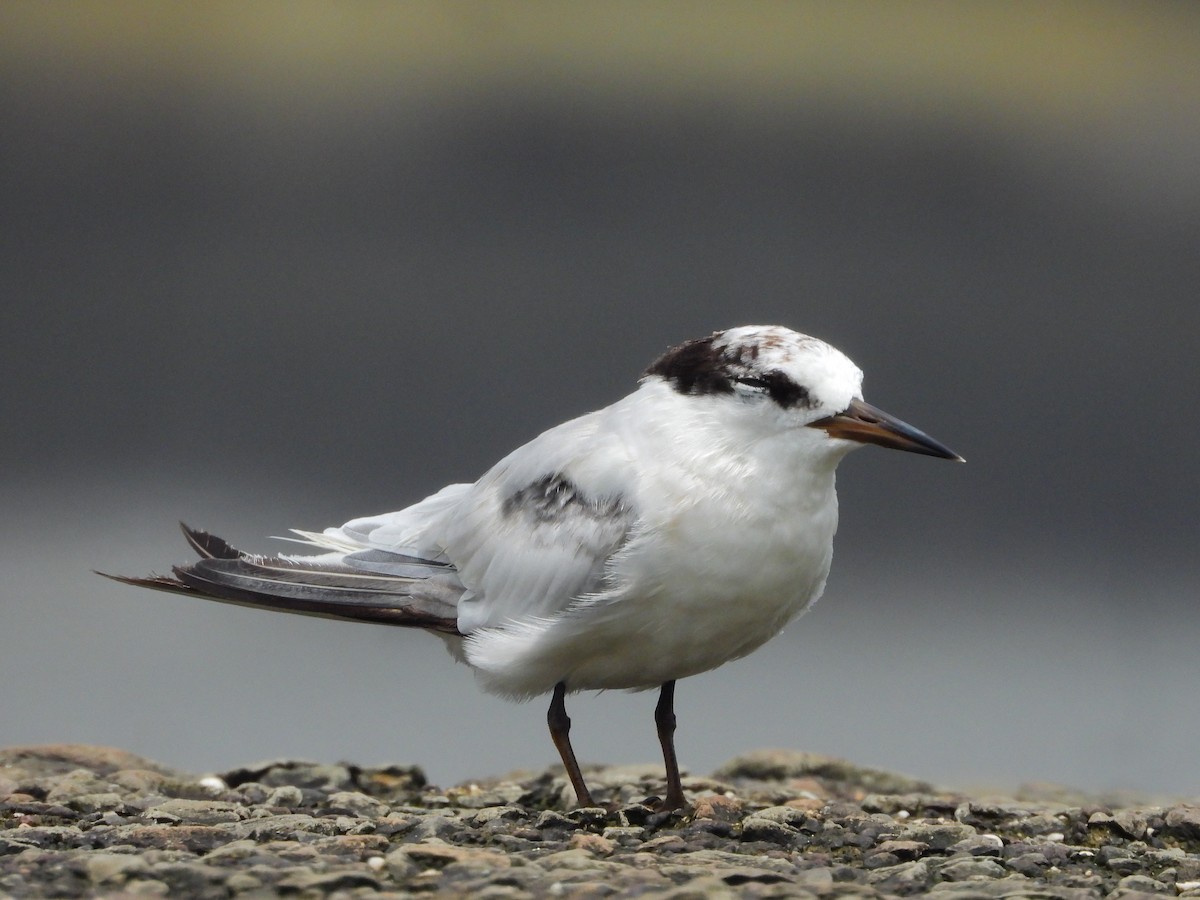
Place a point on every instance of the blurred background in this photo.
(279, 265)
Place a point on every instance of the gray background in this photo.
(269, 266)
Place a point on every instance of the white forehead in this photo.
(827, 373)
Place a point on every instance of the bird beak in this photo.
(864, 423)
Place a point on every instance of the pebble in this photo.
(79, 821)
(287, 796)
(358, 804)
(975, 868)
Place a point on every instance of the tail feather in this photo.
(412, 593)
(209, 546)
(157, 582)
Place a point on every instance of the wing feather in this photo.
(330, 594)
(405, 591)
(538, 530)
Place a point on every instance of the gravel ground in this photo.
(85, 821)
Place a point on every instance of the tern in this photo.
(677, 529)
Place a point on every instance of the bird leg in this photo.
(560, 733)
(664, 718)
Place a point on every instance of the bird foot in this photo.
(668, 805)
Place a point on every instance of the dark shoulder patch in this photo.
(695, 367)
(555, 497)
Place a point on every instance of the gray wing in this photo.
(538, 531)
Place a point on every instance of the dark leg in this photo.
(664, 718)
(560, 731)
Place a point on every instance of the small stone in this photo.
(821, 878)
(625, 835)
(1040, 825)
(1125, 865)
(213, 783)
(749, 876)
(757, 828)
(392, 782)
(188, 879)
(879, 859)
(979, 814)
(240, 882)
(664, 843)
(588, 816)
(785, 815)
(905, 850)
(401, 865)
(569, 860)
(436, 826)
(498, 814)
(148, 887)
(76, 783)
(939, 836)
(438, 856)
(253, 793)
(1182, 823)
(350, 847)
(324, 883)
(287, 795)
(1132, 823)
(592, 843)
(905, 876)
(283, 827)
(977, 868)
(93, 803)
(718, 808)
(1110, 852)
(195, 812)
(979, 845)
(808, 804)
(1167, 856)
(358, 804)
(113, 868)
(554, 820)
(1135, 884)
(1031, 865)
(1187, 868)
(234, 851)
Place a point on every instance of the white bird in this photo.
(662, 536)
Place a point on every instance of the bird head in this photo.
(783, 379)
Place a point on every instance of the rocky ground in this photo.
(86, 821)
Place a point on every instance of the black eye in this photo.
(761, 383)
(779, 388)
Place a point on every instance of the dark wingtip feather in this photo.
(158, 582)
(209, 546)
(227, 575)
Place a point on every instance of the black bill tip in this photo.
(866, 424)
